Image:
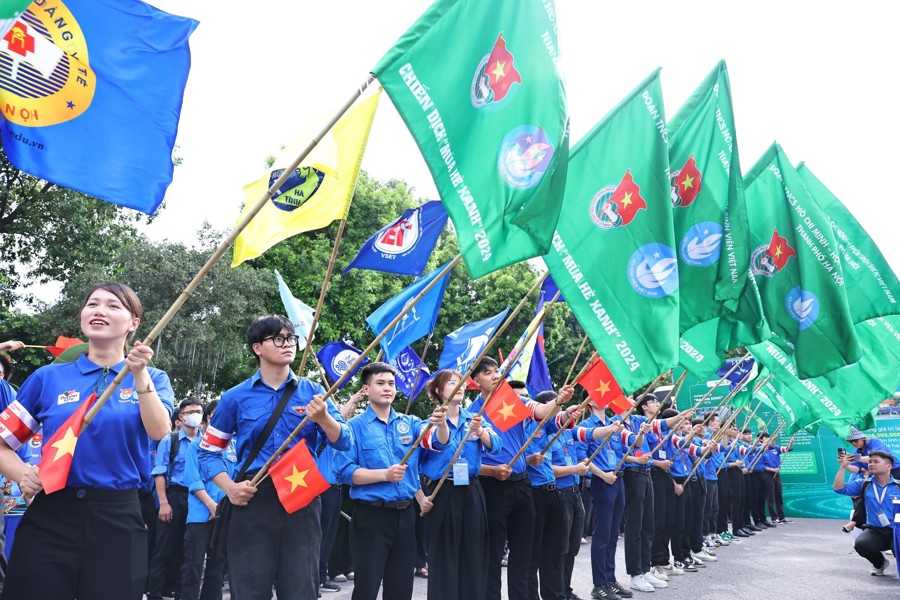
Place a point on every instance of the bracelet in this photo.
(149, 390)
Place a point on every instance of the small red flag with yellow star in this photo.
(600, 384)
(687, 182)
(505, 409)
(60, 449)
(297, 478)
(627, 198)
(779, 251)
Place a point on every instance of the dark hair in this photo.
(712, 417)
(176, 414)
(190, 401)
(648, 397)
(698, 421)
(263, 327)
(125, 295)
(375, 368)
(210, 408)
(763, 434)
(484, 364)
(517, 385)
(746, 430)
(668, 414)
(546, 396)
(883, 455)
(6, 366)
(440, 380)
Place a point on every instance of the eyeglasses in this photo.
(280, 340)
(191, 412)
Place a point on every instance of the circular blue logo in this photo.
(653, 270)
(299, 187)
(524, 156)
(701, 246)
(803, 306)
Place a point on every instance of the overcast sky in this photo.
(818, 77)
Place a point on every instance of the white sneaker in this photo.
(704, 557)
(639, 584)
(654, 581)
(711, 550)
(673, 569)
(659, 573)
(880, 571)
(583, 541)
(720, 541)
(340, 578)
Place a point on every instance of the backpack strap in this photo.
(267, 430)
(173, 450)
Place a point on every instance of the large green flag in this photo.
(478, 86)
(776, 394)
(797, 264)
(872, 287)
(613, 254)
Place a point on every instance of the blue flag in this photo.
(539, 371)
(92, 93)
(336, 358)
(415, 324)
(408, 364)
(299, 313)
(739, 374)
(403, 246)
(548, 290)
(463, 346)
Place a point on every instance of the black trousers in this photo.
(773, 495)
(587, 499)
(421, 538)
(573, 511)
(196, 543)
(551, 541)
(664, 516)
(169, 551)
(736, 490)
(679, 525)
(457, 543)
(341, 560)
(331, 512)
(749, 498)
(872, 542)
(384, 551)
(510, 515)
(758, 496)
(711, 508)
(638, 520)
(79, 543)
(694, 537)
(149, 514)
(724, 489)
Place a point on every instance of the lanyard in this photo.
(880, 499)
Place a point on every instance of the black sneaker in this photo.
(617, 588)
(769, 524)
(329, 586)
(740, 533)
(572, 596)
(686, 567)
(602, 592)
(753, 528)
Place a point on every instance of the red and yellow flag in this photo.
(505, 409)
(297, 478)
(62, 344)
(602, 387)
(59, 450)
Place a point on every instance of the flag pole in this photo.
(715, 440)
(447, 268)
(223, 247)
(747, 420)
(582, 406)
(768, 443)
(575, 362)
(484, 351)
(790, 445)
(409, 401)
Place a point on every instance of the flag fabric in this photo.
(415, 324)
(463, 346)
(522, 366)
(549, 289)
(59, 450)
(872, 287)
(620, 405)
(505, 409)
(317, 193)
(617, 206)
(409, 365)
(600, 384)
(776, 394)
(62, 344)
(297, 478)
(299, 313)
(9, 13)
(105, 77)
(490, 119)
(336, 358)
(737, 376)
(538, 379)
(797, 266)
(404, 245)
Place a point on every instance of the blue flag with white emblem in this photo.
(92, 91)
(463, 346)
(299, 313)
(404, 245)
(336, 358)
(408, 365)
(538, 379)
(415, 324)
(747, 366)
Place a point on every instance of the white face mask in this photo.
(192, 420)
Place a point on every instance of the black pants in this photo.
(510, 515)
(267, 546)
(421, 538)
(341, 560)
(331, 512)
(749, 498)
(149, 513)
(711, 508)
(587, 499)
(773, 495)
(169, 551)
(384, 551)
(548, 551)
(457, 542)
(694, 513)
(872, 542)
(758, 496)
(79, 543)
(573, 511)
(859, 511)
(638, 520)
(736, 489)
(196, 543)
(724, 489)
(679, 526)
(664, 516)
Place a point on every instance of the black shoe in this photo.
(769, 524)
(740, 533)
(784, 521)
(572, 596)
(329, 586)
(616, 588)
(602, 592)
(754, 528)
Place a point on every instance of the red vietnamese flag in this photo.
(59, 450)
(620, 405)
(688, 182)
(779, 251)
(62, 344)
(600, 384)
(297, 478)
(627, 198)
(505, 409)
(500, 70)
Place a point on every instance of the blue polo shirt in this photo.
(751, 457)
(433, 464)
(197, 511)
(651, 439)
(512, 439)
(772, 457)
(161, 460)
(887, 493)
(113, 452)
(873, 444)
(564, 454)
(542, 474)
(7, 394)
(379, 445)
(243, 412)
(608, 458)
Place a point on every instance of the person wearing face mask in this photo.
(172, 490)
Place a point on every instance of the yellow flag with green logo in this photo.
(317, 193)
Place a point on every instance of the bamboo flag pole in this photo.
(705, 452)
(409, 401)
(511, 359)
(581, 406)
(678, 423)
(325, 282)
(747, 420)
(753, 463)
(575, 362)
(484, 351)
(790, 445)
(714, 440)
(223, 247)
(764, 447)
(390, 326)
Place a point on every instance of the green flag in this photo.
(613, 254)
(797, 264)
(872, 287)
(478, 86)
(776, 394)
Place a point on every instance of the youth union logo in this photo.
(653, 270)
(803, 306)
(341, 362)
(524, 156)
(701, 246)
(299, 187)
(400, 237)
(494, 76)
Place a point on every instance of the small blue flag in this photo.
(403, 246)
(539, 371)
(548, 290)
(739, 374)
(463, 346)
(299, 313)
(93, 92)
(415, 324)
(336, 358)
(408, 364)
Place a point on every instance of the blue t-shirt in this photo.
(161, 460)
(878, 499)
(564, 454)
(197, 511)
(433, 464)
(543, 473)
(609, 456)
(651, 439)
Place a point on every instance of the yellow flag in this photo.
(317, 193)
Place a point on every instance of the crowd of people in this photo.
(452, 498)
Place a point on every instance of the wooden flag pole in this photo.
(447, 268)
(321, 370)
(768, 443)
(714, 411)
(672, 430)
(575, 362)
(581, 406)
(713, 440)
(223, 247)
(409, 401)
(790, 445)
(484, 351)
(747, 420)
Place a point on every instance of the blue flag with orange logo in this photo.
(92, 92)
(404, 245)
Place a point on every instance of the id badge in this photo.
(569, 461)
(461, 473)
(662, 455)
(883, 520)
